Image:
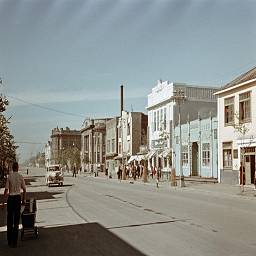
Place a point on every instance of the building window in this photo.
(120, 148)
(119, 133)
(227, 155)
(245, 107)
(235, 153)
(184, 155)
(161, 120)
(128, 129)
(215, 134)
(108, 146)
(206, 154)
(157, 121)
(113, 145)
(164, 118)
(154, 121)
(229, 110)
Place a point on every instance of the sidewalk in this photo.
(61, 230)
(204, 187)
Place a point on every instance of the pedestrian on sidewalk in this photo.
(74, 171)
(15, 182)
(27, 171)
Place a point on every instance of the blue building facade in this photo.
(199, 147)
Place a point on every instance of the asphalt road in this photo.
(97, 216)
(168, 221)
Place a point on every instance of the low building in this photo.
(199, 146)
(163, 114)
(111, 145)
(237, 129)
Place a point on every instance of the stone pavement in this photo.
(196, 186)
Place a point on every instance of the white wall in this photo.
(227, 133)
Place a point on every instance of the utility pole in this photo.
(179, 98)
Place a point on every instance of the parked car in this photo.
(54, 175)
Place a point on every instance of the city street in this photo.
(100, 216)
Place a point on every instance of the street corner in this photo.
(90, 239)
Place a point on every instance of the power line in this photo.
(46, 108)
(29, 142)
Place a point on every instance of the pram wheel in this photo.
(36, 232)
(22, 235)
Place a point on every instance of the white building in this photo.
(163, 117)
(132, 134)
(236, 108)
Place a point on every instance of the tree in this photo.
(7, 145)
(242, 130)
(70, 157)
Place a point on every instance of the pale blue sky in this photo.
(72, 55)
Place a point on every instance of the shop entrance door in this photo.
(194, 159)
(252, 160)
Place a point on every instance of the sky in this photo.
(64, 60)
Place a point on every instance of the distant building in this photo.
(199, 147)
(237, 108)
(132, 134)
(62, 139)
(93, 141)
(163, 117)
(111, 145)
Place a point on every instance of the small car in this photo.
(54, 175)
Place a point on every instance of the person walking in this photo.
(14, 183)
(74, 171)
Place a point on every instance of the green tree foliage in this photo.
(7, 145)
(70, 157)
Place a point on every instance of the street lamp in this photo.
(179, 98)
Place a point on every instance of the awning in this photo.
(137, 158)
(166, 153)
(118, 158)
(132, 158)
(151, 154)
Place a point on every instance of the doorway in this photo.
(249, 169)
(194, 159)
(252, 160)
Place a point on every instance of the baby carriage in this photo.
(28, 219)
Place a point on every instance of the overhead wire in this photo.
(44, 107)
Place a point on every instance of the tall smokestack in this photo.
(122, 98)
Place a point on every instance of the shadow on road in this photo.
(85, 239)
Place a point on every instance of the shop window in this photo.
(184, 155)
(235, 154)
